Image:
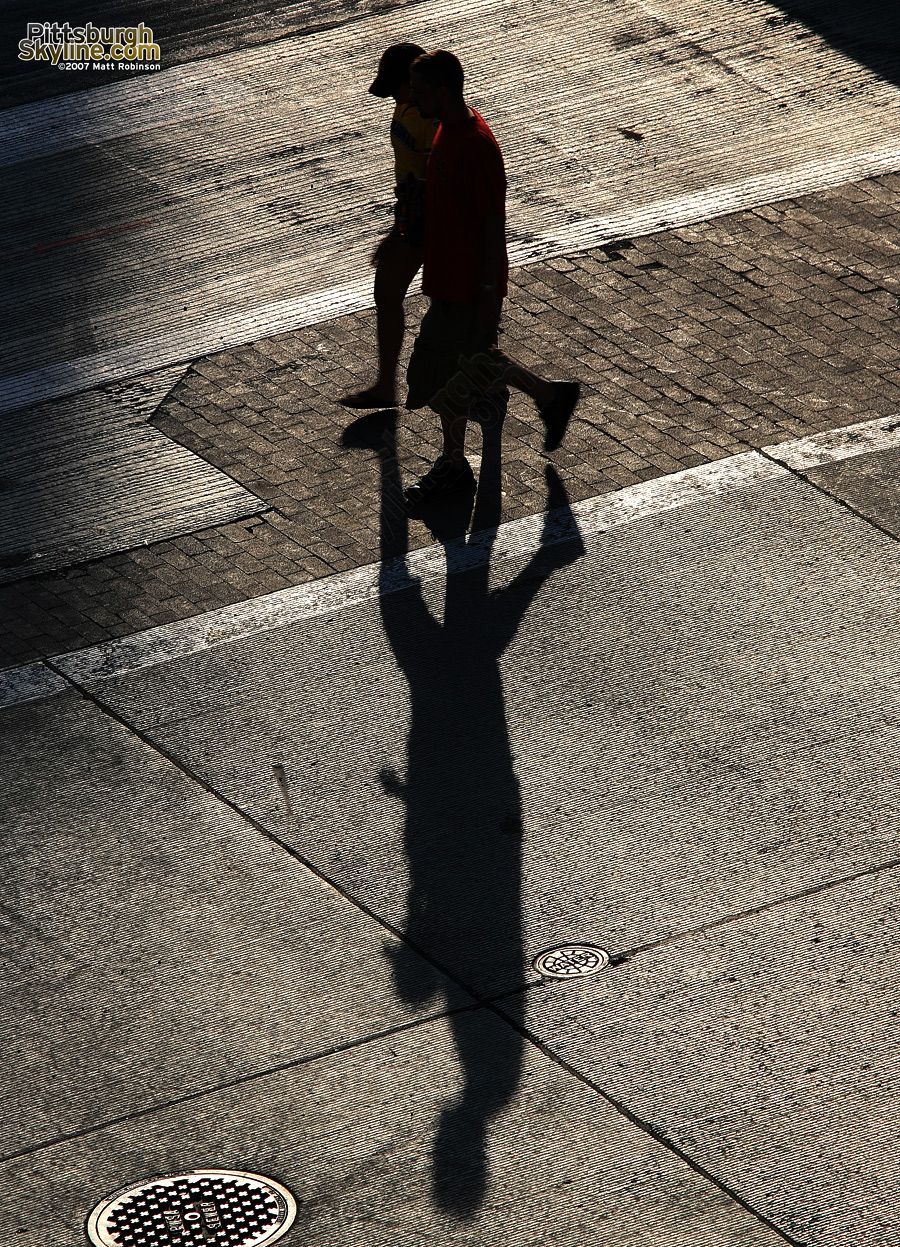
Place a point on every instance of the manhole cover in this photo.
(220, 1207)
(571, 961)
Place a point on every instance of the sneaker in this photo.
(558, 411)
(442, 477)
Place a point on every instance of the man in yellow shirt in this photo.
(398, 257)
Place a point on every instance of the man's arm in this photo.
(493, 246)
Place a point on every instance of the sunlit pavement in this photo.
(278, 865)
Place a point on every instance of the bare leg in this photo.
(529, 383)
(392, 280)
(396, 266)
(556, 400)
(453, 428)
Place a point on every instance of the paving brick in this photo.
(691, 344)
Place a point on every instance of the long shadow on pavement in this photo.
(463, 809)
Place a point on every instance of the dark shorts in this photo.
(454, 362)
(414, 234)
(396, 250)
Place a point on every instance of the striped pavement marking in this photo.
(263, 186)
(513, 540)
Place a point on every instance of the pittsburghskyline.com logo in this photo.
(90, 46)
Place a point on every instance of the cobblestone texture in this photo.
(691, 345)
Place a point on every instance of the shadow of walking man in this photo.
(463, 810)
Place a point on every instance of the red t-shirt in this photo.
(465, 181)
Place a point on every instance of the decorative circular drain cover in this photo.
(571, 961)
(209, 1208)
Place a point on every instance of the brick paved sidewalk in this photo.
(692, 344)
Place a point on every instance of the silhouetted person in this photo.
(456, 363)
(398, 257)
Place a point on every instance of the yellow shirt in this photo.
(411, 138)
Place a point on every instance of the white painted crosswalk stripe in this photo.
(263, 186)
(513, 540)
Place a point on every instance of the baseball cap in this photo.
(393, 68)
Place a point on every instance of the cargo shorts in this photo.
(455, 363)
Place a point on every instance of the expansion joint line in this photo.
(241, 1081)
(355, 901)
(647, 1128)
(618, 959)
(800, 475)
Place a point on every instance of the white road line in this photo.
(725, 110)
(516, 539)
(836, 444)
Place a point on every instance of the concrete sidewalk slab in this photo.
(156, 944)
(766, 1049)
(353, 1136)
(705, 687)
(868, 483)
(89, 475)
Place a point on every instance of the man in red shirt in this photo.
(456, 366)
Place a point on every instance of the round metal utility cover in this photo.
(221, 1207)
(571, 961)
